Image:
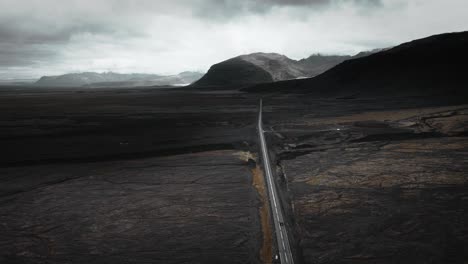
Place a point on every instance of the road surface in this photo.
(284, 249)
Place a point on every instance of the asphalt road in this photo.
(284, 249)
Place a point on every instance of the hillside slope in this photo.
(429, 66)
(266, 67)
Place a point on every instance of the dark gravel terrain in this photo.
(47, 125)
(165, 176)
(192, 208)
(376, 186)
(127, 176)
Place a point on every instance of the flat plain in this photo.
(144, 175)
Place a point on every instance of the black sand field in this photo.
(169, 176)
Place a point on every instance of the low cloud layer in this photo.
(227, 9)
(53, 37)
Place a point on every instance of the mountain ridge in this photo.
(112, 79)
(261, 67)
(431, 65)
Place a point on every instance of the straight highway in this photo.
(284, 249)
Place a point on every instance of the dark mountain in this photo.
(110, 79)
(249, 69)
(266, 67)
(317, 63)
(429, 66)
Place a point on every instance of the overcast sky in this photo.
(47, 37)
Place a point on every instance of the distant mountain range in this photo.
(241, 71)
(17, 82)
(433, 65)
(430, 66)
(111, 79)
(269, 67)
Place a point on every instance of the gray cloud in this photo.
(52, 21)
(31, 36)
(39, 37)
(12, 55)
(34, 32)
(227, 9)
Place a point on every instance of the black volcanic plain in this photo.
(146, 175)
